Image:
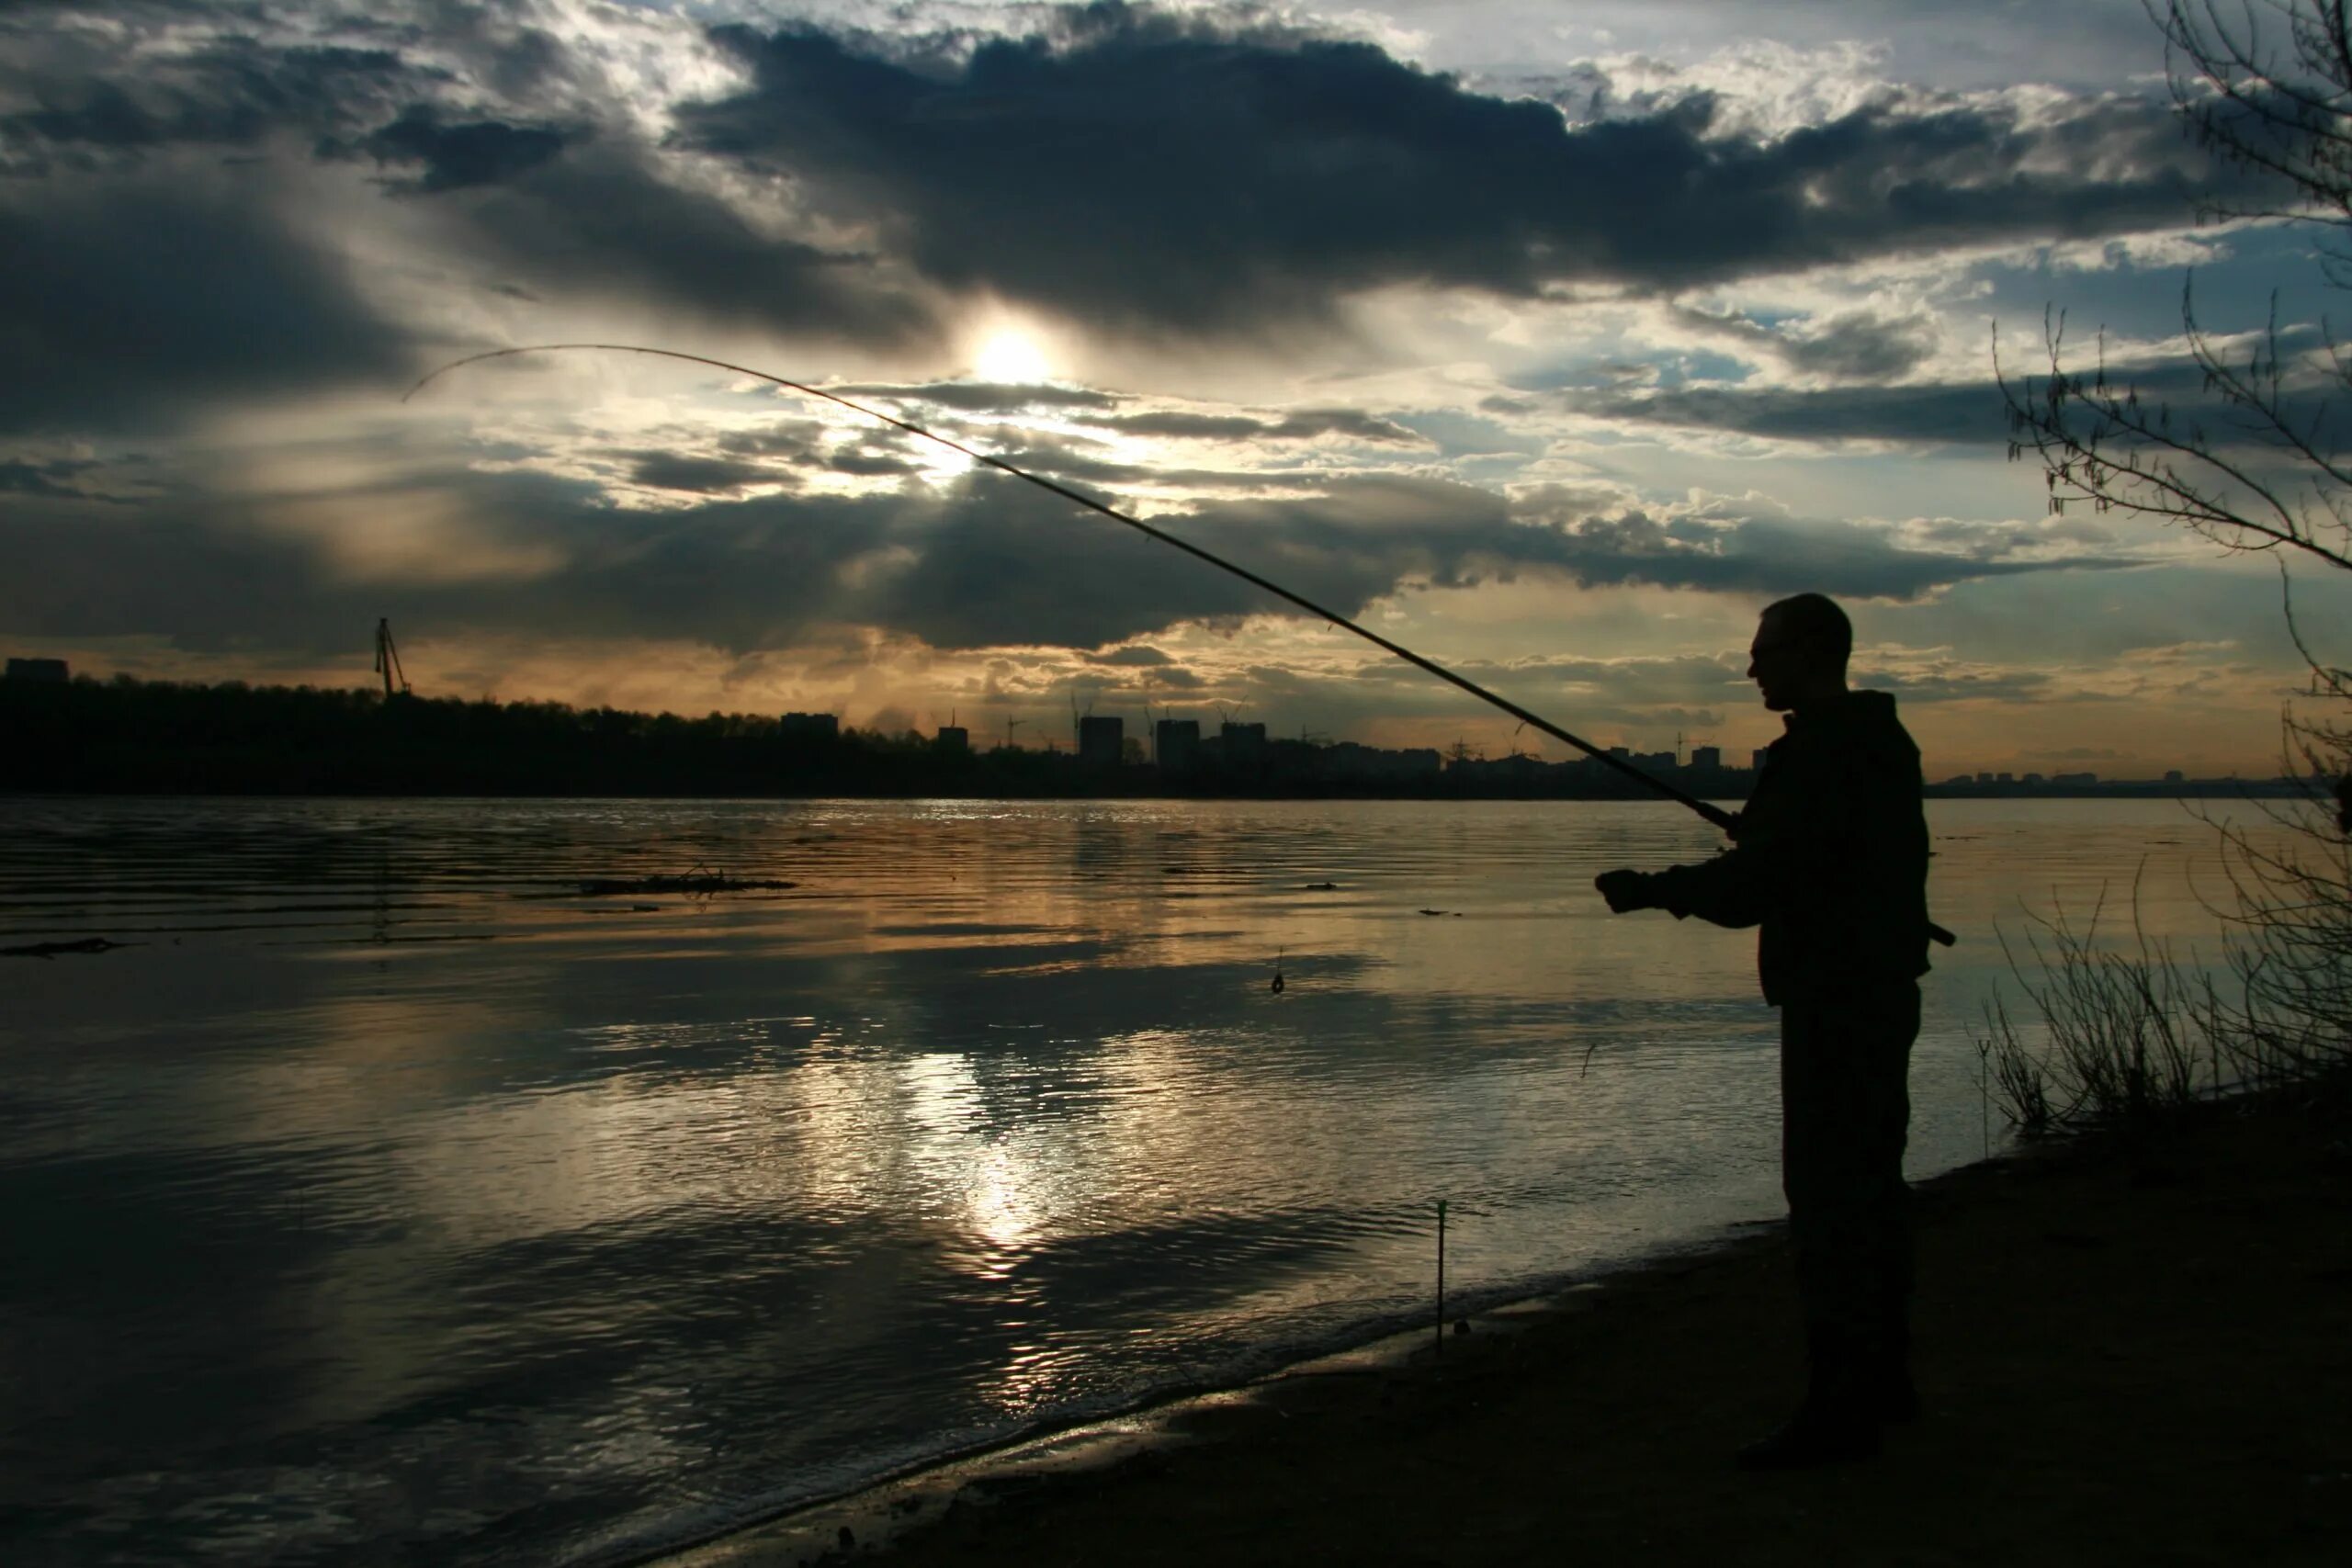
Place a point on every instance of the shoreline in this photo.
(1079, 1439)
(2129, 1351)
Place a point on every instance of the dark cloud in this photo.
(1303, 424)
(987, 397)
(1060, 459)
(1947, 412)
(1970, 412)
(602, 220)
(669, 471)
(553, 205)
(1142, 656)
(986, 562)
(228, 91)
(46, 481)
(1918, 687)
(1855, 345)
(137, 298)
(870, 465)
(1354, 423)
(452, 157)
(1168, 170)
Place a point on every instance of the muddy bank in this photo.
(2126, 1355)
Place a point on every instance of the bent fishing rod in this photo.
(1713, 813)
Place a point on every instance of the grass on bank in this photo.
(2135, 1036)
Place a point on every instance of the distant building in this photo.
(1177, 742)
(1101, 741)
(1756, 758)
(48, 670)
(1657, 761)
(2074, 778)
(1244, 745)
(952, 737)
(2033, 778)
(1984, 778)
(2001, 778)
(1707, 757)
(811, 726)
(2173, 776)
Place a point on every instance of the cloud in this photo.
(1303, 424)
(453, 156)
(671, 470)
(1963, 412)
(149, 296)
(1196, 172)
(565, 192)
(987, 397)
(1751, 547)
(1852, 345)
(53, 480)
(103, 101)
(1139, 656)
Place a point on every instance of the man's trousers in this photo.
(1844, 1110)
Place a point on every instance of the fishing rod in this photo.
(1711, 812)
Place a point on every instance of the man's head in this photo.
(1800, 652)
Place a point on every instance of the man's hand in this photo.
(1625, 890)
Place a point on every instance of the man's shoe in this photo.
(1894, 1397)
(1814, 1436)
(1839, 1421)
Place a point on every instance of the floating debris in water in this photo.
(52, 949)
(1277, 987)
(1322, 887)
(690, 881)
(1455, 913)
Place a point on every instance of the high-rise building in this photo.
(45, 669)
(1177, 744)
(1244, 745)
(811, 726)
(952, 737)
(1707, 757)
(1100, 741)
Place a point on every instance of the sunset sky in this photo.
(1552, 338)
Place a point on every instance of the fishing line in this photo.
(1713, 813)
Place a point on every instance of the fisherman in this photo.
(1830, 859)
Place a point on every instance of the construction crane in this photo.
(388, 661)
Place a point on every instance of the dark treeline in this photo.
(124, 736)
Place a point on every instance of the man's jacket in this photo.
(1830, 857)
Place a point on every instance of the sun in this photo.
(1010, 356)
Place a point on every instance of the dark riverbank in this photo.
(127, 736)
(2127, 1356)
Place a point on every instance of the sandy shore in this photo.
(2128, 1357)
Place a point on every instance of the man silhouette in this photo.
(1830, 859)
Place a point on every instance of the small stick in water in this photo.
(1441, 1278)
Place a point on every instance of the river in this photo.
(389, 1200)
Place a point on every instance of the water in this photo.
(391, 1201)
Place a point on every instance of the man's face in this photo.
(1779, 666)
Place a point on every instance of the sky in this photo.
(1552, 340)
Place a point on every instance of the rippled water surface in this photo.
(389, 1200)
